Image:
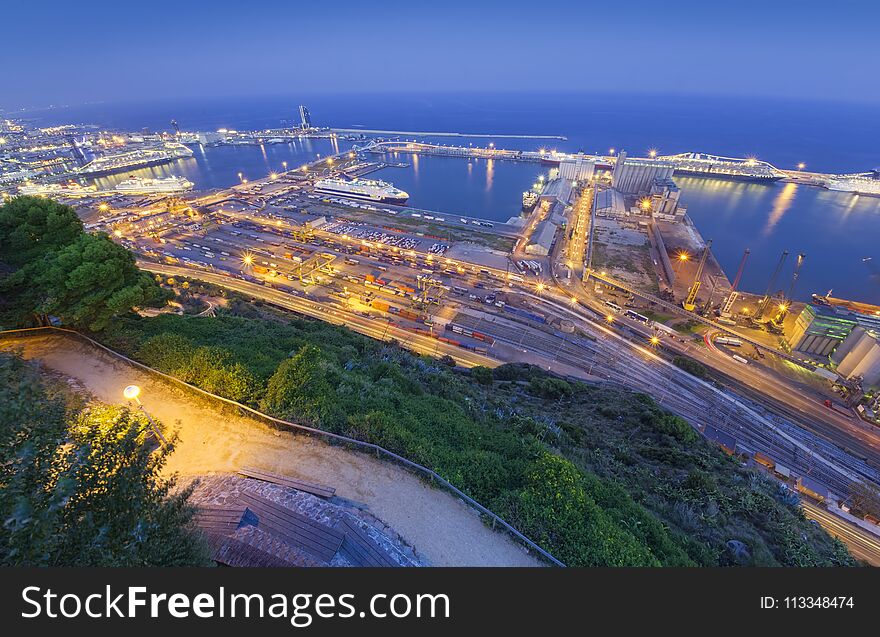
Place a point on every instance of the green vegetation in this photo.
(691, 366)
(53, 268)
(81, 486)
(597, 476)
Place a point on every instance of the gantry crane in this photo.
(731, 298)
(762, 305)
(690, 302)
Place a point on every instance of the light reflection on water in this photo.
(835, 230)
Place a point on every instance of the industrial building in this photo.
(859, 355)
(665, 204)
(542, 239)
(556, 190)
(819, 329)
(610, 203)
(849, 338)
(580, 169)
(637, 176)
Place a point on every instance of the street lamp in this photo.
(131, 392)
(284, 165)
(655, 341)
(801, 166)
(609, 318)
(681, 258)
(273, 175)
(104, 207)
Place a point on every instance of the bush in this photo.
(482, 375)
(691, 366)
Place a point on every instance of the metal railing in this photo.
(380, 452)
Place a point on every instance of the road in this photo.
(861, 544)
(366, 326)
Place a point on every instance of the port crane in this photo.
(762, 306)
(731, 298)
(777, 321)
(690, 302)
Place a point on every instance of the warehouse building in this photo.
(636, 176)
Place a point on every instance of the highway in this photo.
(861, 543)
(367, 326)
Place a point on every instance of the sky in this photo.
(74, 52)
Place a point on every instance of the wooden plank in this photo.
(234, 552)
(374, 554)
(293, 528)
(217, 519)
(314, 488)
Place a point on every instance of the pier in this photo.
(367, 131)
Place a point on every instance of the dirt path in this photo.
(212, 440)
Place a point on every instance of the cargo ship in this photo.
(70, 189)
(366, 189)
(860, 184)
(737, 169)
(146, 186)
(133, 159)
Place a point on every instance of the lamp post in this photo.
(131, 393)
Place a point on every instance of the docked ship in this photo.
(133, 159)
(860, 184)
(71, 189)
(366, 189)
(737, 169)
(147, 186)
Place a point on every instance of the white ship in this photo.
(861, 184)
(71, 189)
(529, 199)
(367, 189)
(146, 186)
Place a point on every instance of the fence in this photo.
(380, 452)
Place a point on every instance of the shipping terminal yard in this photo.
(602, 276)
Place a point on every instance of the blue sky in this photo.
(76, 52)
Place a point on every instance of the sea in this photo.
(839, 233)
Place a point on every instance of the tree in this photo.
(84, 489)
(88, 282)
(32, 227)
(300, 388)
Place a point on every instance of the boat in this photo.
(529, 199)
(860, 184)
(365, 189)
(146, 186)
(71, 189)
(734, 168)
(140, 158)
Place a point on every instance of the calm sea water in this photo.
(836, 231)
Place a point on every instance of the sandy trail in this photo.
(213, 440)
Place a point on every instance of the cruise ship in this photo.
(738, 169)
(71, 189)
(146, 186)
(367, 189)
(130, 160)
(860, 184)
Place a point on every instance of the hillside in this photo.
(599, 476)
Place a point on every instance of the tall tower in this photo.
(305, 117)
